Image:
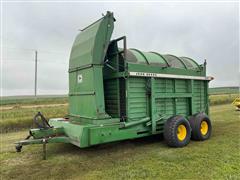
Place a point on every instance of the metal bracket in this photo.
(44, 141)
(153, 106)
(124, 45)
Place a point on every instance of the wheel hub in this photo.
(181, 132)
(204, 127)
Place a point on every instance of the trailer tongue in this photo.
(118, 93)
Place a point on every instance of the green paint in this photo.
(85, 69)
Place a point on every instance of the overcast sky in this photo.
(197, 30)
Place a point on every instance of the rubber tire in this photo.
(170, 131)
(195, 123)
(18, 148)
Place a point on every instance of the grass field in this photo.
(145, 158)
(30, 100)
(18, 117)
(224, 90)
(222, 98)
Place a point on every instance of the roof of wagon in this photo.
(161, 60)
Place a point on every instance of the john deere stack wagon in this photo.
(119, 93)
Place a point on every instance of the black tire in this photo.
(171, 133)
(18, 148)
(200, 133)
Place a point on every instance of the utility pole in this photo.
(35, 83)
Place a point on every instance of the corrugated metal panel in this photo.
(199, 95)
(111, 94)
(182, 106)
(170, 106)
(122, 93)
(137, 98)
(182, 86)
(165, 106)
(164, 86)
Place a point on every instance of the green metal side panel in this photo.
(86, 95)
(172, 97)
(85, 135)
(111, 94)
(137, 101)
(91, 44)
(182, 106)
(199, 96)
(207, 97)
(165, 107)
(182, 85)
(82, 92)
(78, 134)
(164, 86)
(99, 135)
(153, 105)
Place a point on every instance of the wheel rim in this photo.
(204, 127)
(181, 132)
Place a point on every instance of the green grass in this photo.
(31, 100)
(18, 118)
(222, 98)
(224, 90)
(145, 158)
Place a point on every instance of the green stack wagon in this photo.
(119, 93)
